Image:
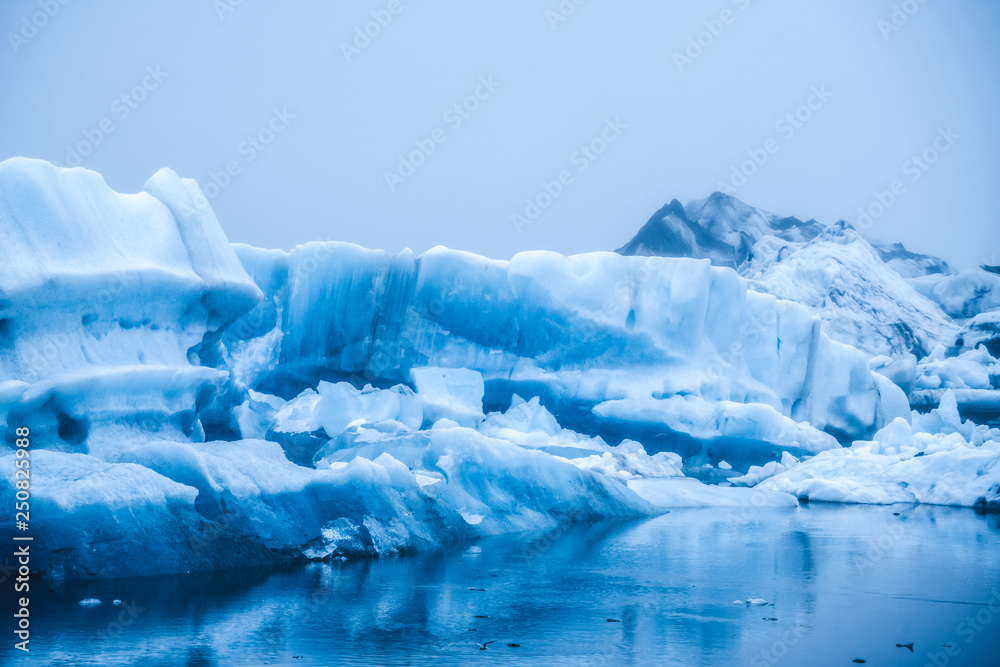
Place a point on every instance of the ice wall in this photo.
(577, 331)
(110, 303)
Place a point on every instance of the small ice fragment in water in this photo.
(90, 602)
(756, 602)
(725, 466)
(116, 602)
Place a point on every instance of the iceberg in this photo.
(196, 405)
(574, 331)
(111, 305)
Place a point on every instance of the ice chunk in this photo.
(900, 465)
(709, 422)
(114, 326)
(968, 293)
(333, 407)
(974, 369)
(756, 474)
(257, 414)
(901, 369)
(449, 393)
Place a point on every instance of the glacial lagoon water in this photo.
(842, 583)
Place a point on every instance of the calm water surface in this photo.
(841, 583)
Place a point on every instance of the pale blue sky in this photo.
(553, 89)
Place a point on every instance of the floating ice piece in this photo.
(751, 602)
(974, 369)
(758, 473)
(902, 465)
(90, 602)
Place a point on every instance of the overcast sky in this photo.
(311, 115)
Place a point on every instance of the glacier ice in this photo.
(963, 295)
(861, 300)
(111, 305)
(198, 405)
(983, 329)
(896, 306)
(575, 331)
(971, 379)
(449, 393)
(857, 286)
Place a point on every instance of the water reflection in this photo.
(840, 582)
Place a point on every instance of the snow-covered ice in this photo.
(940, 459)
